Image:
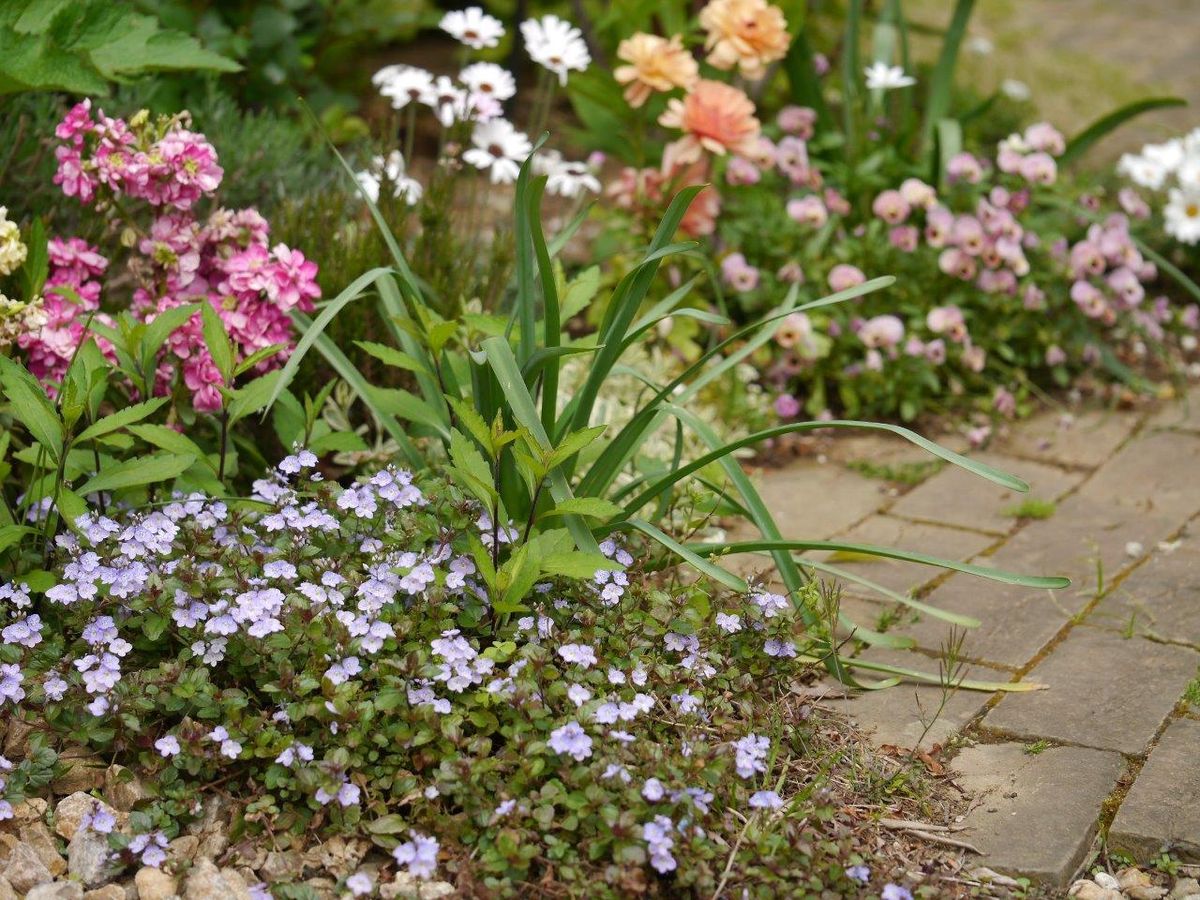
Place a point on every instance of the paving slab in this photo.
(1160, 598)
(813, 500)
(1071, 439)
(1104, 691)
(955, 496)
(912, 715)
(1162, 809)
(895, 533)
(1015, 622)
(1183, 414)
(1034, 815)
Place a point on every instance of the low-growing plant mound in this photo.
(328, 657)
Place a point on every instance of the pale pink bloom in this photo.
(1033, 297)
(968, 235)
(939, 222)
(918, 193)
(881, 331)
(964, 167)
(1124, 282)
(1039, 168)
(956, 263)
(1131, 201)
(741, 171)
(1045, 137)
(797, 120)
(1089, 299)
(787, 406)
(808, 211)
(935, 351)
(845, 276)
(791, 156)
(1055, 356)
(739, 274)
(997, 281)
(1008, 159)
(904, 237)
(974, 358)
(1004, 402)
(979, 435)
(763, 153)
(914, 346)
(947, 320)
(836, 203)
(793, 329)
(891, 207)
(791, 273)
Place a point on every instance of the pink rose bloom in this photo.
(881, 331)
(1033, 297)
(845, 276)
(1055, 356)
(837, 204)
(935, 351)
(891, 207)
(968, 235)
(808, 211)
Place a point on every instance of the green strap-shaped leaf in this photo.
(1086, 139)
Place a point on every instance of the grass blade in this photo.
(713, 571)
(941, 83)
(1082, 142)
(1042, 582)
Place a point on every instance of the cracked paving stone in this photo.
(1162, 809)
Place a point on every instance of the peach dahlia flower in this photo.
(655, 64)
(749, 34)
(715, 117)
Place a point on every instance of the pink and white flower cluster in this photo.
(224, 259)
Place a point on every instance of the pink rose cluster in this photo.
(226, 259)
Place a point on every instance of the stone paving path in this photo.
(1110, 750)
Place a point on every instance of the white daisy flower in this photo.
(556, 45)
(570, 179)
(473, 27)
(392, 170)
(1181, 215)
(882, 77)
(1142, 171)
(449, 102)
(498, 148)
(402, 84)
(490, 79)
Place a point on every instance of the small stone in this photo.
(16, 741)
(31, 810)
(38, 836)
(71, 810)
(57, 890)
(84, 773)
(184, 848)
(206, 882)
(25, 869)
(405, 887)
(6, 890)
(1138, 885)
(213, 843)
(1089, 890)
(282, 866)
(108, 892)
(1185, 888)
(122, 788)
(89, 858)
(154, 884)
(1106, 881)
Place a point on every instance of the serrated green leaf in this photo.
(122, 418)
(138, 472)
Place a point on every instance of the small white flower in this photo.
(392, 170)
(1181, 215)
(882, 77)
(1015, 90)
(473, 27)
(499, 149)
(490, 79)
(556, 45)
(402, 84)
